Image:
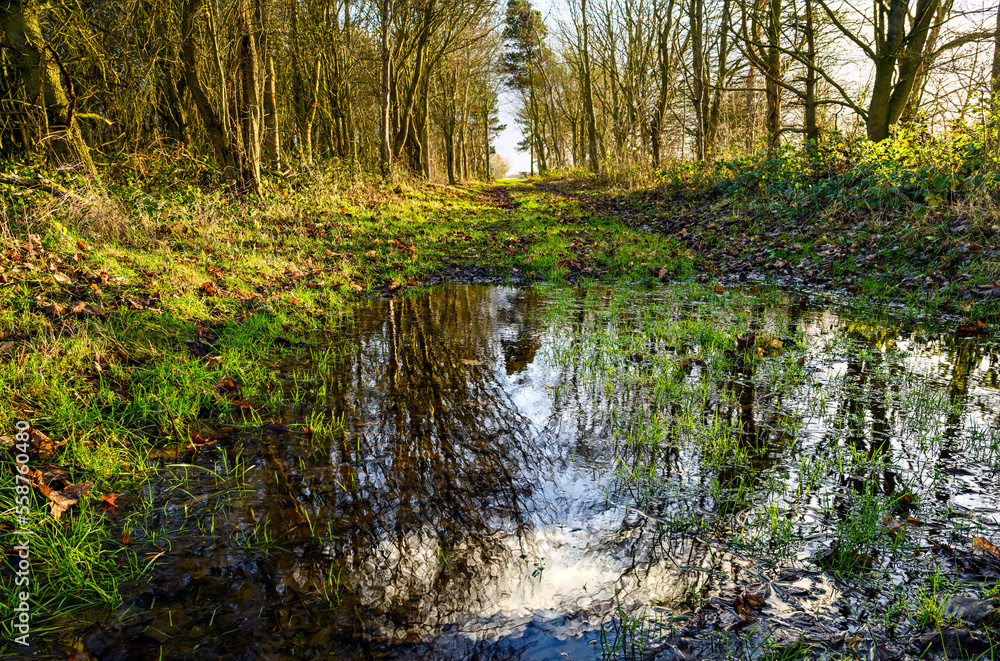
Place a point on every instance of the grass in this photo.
(821, 451)
(202, 311)
(187, 289)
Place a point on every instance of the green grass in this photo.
(189, 289)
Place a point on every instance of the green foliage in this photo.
(912, 168)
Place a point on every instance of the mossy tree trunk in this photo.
(47, 85)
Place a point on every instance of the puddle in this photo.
(479, 472)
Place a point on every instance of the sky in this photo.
(506, 142)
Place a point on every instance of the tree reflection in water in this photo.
(481, 502)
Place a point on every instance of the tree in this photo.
(524, 33)
(48, 87)
(588, 95)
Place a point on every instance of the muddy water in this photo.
(468, 474)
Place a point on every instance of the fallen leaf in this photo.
(208, 288)
(54, 310)
(61, 278)
(719, 289)
(198, 442)
(82, 245)
(61, 501)
(109, 500)
(40, 446)
(469, 361)
(276, 427)
(985, 547)
(893, 526)
(969, 330)
(745, 343)
(226, 386)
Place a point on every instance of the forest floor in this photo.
(947, 261)
(124, 323)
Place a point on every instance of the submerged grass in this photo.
(818, 442)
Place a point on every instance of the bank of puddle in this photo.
(480, 472)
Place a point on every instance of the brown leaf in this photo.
(208, 288)
(40, 446)
(755, 600)
(985, 547)
(54, 310)
(226, 386)
(719, 289)
(104, 278)
(198, 442)
(893, 526)
(275, 427)
(745, 343)
(62, 279)
(61, 501)
(243, 403)
(969, 330)
(78, 307)
(126, 538)
(109, 500)
(82, 245)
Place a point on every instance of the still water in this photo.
(480, 472)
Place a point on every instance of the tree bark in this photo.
(995, 69)
(251, 105)
(385, 155)
(47, 85)
(811, 127)
(218, 132)
(588, 96)
(898, 54)
(272, 135)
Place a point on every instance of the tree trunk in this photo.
(218, 132)
(995, 70)
(251, 105)
(272, 135)
(47, 85)
(772, 89)
(715, 114)
(666, 80)
(588, 97)
(385, 156)
(811, 127)
(699, 86)
(896, 65)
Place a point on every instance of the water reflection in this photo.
(479, 501)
